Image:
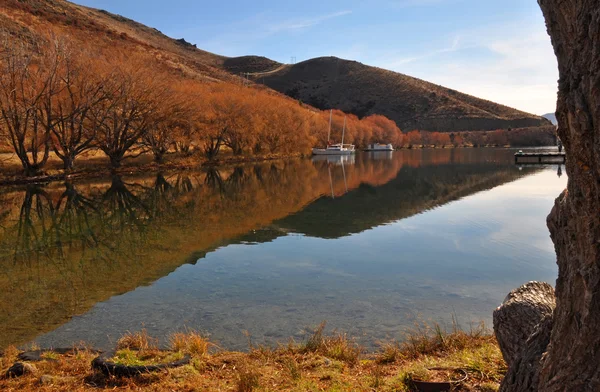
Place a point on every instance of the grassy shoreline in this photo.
(323, 362)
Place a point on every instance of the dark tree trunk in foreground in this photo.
(563, 354)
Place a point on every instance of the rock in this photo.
(518, 316)
(183, 42)
(20, 369)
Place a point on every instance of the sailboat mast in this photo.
(343, 132)
(329, 132)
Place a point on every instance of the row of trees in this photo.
(58, 99)
(519, 137)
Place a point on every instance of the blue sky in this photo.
(493, 49)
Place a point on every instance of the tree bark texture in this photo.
(518, 316)
(522, 325)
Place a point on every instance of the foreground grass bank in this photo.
(332, 362)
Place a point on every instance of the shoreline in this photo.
(182, 163)
(153, 167)
(323, 361)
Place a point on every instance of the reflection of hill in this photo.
(66, 247)
(414, 190)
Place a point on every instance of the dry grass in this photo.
(336, 346)
(139, 341)
(432, 339)
(323, 362)
(248, 380)
(191, 342)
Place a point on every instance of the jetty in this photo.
(540, 157)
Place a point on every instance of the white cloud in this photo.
(239, 37)
(510, 64)
(422, 56)
(297, 24)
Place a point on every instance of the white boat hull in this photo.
(380, 147)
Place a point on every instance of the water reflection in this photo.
(337, 160)
(67, 247)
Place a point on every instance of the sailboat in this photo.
(335, 149)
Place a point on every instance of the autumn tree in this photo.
(127, 113)
(166, 123)
(387, 130)
(67, 105)
(413, 138)
(498, 138)
(221, 114)
(24, 82)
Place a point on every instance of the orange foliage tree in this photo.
(24, 83)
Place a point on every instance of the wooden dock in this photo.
(540, 157)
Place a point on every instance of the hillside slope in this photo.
(325, 83)
(330, 82)
(101, 31)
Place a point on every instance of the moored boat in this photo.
(379, 147)
(335, 149)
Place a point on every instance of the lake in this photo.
(372, 244)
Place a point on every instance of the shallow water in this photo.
(371, 244)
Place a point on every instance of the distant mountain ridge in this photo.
(324, 83)
(330, 82)
(551, 117)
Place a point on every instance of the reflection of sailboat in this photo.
(335, 149)
(335, 159)
(341, 162)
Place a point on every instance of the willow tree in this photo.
(563, 351)
(24, 82)
(122, 119)
(77, 89)
(165, 125)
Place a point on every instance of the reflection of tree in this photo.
(73, 221)
(122, 210)
(214, 181)
(122, 213)
(35, 231)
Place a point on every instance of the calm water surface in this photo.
(371, 244)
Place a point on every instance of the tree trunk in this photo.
(522, 325)
(68, 161)
(115, 161)
(571, 361)
(518, 316)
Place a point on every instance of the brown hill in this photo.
(100, 29)
(326, 82)
(250, 64)
(330, 82)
